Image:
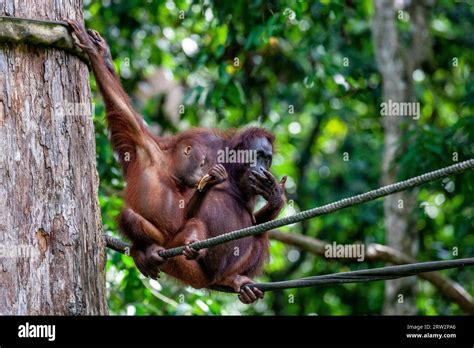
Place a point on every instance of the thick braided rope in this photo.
(325, 209)
(117, 244)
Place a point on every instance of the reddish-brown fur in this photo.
(157, 192)
(223, 208)
(158, 183)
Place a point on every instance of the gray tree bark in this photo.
(396, 65)
(51, 247)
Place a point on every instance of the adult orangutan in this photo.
(226, 207)
(161, 173)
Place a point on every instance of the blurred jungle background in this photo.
(315, 73)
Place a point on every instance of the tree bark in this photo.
(52, 253)
(396, 65)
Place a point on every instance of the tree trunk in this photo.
(51, 247)
(396, 64)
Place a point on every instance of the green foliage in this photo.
(289, 66)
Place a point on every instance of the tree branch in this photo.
(378, 252)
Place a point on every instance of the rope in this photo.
(367, 275)
(325, 209)
(117, 244)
